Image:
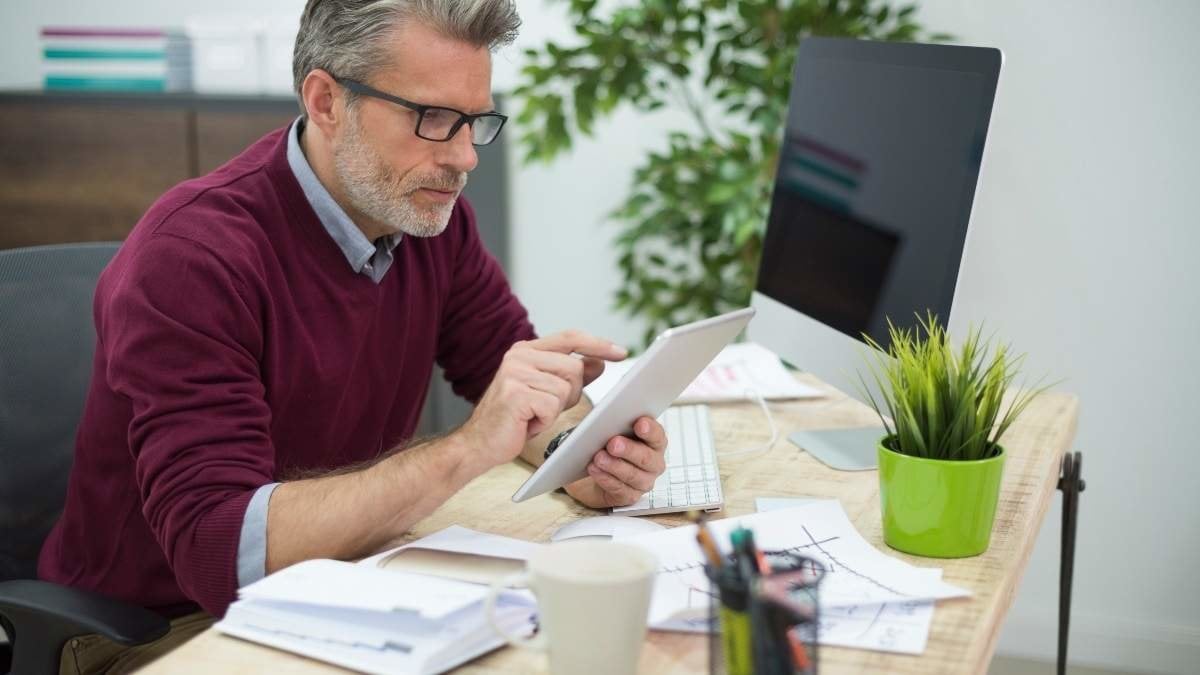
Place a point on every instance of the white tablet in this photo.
(673, 360)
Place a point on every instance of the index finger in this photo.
(580, 343)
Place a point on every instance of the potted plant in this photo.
(944, 414)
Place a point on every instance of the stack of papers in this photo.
(739, 373)
(374, 620)
(868, 600)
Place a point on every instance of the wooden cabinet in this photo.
(79, 167)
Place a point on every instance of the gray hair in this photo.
(347, 38)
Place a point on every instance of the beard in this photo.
(374, 189)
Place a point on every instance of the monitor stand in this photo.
(841, 449)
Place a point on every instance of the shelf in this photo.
(176, 100)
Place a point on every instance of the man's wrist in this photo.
(441, 467)
(465, 462)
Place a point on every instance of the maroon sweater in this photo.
(234, 347)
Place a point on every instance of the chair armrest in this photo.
(43, 616)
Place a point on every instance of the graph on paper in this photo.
(865, 595)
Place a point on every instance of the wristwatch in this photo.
(556, 441)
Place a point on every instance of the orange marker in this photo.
(761, 561)
(799, 653)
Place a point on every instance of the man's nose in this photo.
(459, 152)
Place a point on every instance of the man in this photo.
(269, 330)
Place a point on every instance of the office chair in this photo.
(46, 344)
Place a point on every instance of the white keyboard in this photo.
(692, 480)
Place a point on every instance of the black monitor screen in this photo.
(875, 181)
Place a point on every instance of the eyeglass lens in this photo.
(438, 123)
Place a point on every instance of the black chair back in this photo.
(47, 340)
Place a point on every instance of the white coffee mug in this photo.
(593, 597)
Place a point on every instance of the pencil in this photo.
(708, 544)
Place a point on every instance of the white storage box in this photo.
(225, 56)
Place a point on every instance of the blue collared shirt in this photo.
(373, 259)
(365, 257)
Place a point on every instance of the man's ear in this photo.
(324, 100)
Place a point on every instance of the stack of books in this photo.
(115, 59)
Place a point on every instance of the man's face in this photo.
(402, 182)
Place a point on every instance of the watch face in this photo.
(556, 441)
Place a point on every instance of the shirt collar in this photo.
(364, 256)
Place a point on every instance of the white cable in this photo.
(762, 403)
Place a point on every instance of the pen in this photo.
(707, 543)
(775, 592)
(799, 653)
(741, 555)
(748, 554)
(761, 560)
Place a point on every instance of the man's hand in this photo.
(625, 468)
(536, 381)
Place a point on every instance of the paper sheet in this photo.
(458, 539)
(900, 627)
(331, 583)
(856, 572)
(458, 553)
(732, 375)
(381, 644)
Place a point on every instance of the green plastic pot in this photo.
(937, 507)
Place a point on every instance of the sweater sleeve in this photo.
(183, 345)
(482, 318)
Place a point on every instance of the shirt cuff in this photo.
(252, 546)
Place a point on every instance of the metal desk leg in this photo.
(1071, 485)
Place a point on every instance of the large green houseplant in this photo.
(691, 226)
(944, 413)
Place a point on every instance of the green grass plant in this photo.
(943, 403)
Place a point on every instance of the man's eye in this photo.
(438, 115)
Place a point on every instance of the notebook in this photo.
(374, 620)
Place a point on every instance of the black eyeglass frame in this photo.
(463, 118)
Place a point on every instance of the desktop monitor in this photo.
(869, 215)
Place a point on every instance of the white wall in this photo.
(1084, 222)
(1085, 218)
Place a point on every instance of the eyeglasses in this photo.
(435, 123)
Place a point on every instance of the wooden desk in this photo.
(964, 632)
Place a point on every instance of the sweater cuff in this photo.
(207, 571)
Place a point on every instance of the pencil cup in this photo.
(593, 598)
(768, 624)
